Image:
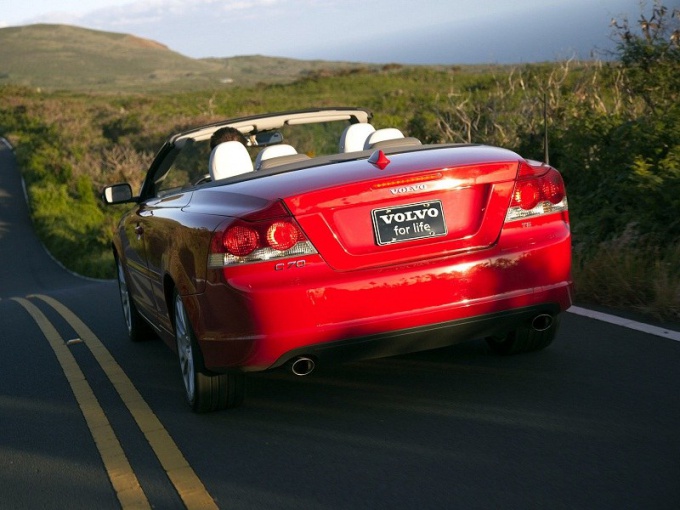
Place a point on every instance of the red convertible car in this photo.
(345, 242)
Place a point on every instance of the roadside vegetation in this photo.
(613, 131)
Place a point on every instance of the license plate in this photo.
(408, 222)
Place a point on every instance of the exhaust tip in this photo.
(302, 366)
(542, 322)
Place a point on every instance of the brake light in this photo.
(553, 187)
(527, 195)
(240, 241)
(283, 235)
(267, 234)
(537, 192)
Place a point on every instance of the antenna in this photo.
(546, 157)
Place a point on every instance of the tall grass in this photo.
(624, 274)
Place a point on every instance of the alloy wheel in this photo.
(185, 349)
(124, 297)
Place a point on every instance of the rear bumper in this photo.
(259, 316)
(429, 337)
(374, 338)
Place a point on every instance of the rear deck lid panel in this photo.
(416, 208)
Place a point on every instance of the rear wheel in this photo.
(137, 327)
(205, 391)
(533, 336)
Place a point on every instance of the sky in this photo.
(372, 31)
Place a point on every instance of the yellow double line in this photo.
(125, 483)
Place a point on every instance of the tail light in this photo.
(538, 191)
(269, 234)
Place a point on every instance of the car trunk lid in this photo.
(420, 205)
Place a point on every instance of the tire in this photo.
(138, 329)
(526, 338)
(205, 391)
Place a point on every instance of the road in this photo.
(91, 420)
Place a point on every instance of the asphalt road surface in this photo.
(90, 420)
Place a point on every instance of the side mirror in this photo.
(117, 194)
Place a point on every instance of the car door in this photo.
(161, 226)
(133, 237)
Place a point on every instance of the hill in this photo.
(63, 57)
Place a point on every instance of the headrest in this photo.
(273, 151)
(229, 159)
(382, 134)
(354, 136)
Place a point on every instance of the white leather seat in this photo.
(354, 136)
(381, 135)
(229, 159)
(273, 151)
